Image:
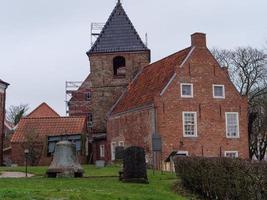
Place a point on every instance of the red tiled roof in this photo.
(150, 82)
(49, 126)
(43, 110)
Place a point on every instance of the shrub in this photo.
(134, 165)
(223, 178)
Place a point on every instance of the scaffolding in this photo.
(96, 29)
(70, 88)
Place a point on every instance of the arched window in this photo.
(119, 66)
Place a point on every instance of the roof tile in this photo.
(118, 35)
(49, 126)
(150, 82)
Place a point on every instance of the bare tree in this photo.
(248, 71)
(15, 113)
(33, 143)
(258, 127)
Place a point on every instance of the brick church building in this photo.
(3, 87)
(186, 99)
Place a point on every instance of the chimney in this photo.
(198, 40)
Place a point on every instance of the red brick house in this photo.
(41, 130)
(3, 87)
(186, 99)
(189, 101)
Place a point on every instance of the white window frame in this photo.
(235, 152)
(195, 118)
(102, 150)
(113, 149)
(192, 90)
(213, 89)
(226, 124)
(121, 143)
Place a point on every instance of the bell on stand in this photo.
(65, 162)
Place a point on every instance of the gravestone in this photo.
(134, 165)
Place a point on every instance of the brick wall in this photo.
(2, 118)
(133, 128)
(104, 86)
(18, 156)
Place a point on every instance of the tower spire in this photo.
(119, 1)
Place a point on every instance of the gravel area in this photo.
(14, 175)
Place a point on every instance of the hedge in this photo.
(223, 178)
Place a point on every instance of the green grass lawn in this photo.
(97, 188)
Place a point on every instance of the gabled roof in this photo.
(43, 110)
(118, 35)
(49, 126)
(150, 82)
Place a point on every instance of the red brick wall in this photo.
(18, 157)
(203, 71)
(134, 129)
(2, 117)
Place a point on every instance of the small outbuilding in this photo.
(41, 130)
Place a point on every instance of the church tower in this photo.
(115, 58)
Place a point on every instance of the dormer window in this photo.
(119, 67)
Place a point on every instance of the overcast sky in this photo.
(43, 42)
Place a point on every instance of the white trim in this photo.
(121, 143)
(182, 152)
(172, 78)
(113, 150)
(8, 126)
(235, 152)
(170, 81)
(187, 57)
(226, 125)
(195, 118)
(192, 90)
(102, 150)
(213, 89)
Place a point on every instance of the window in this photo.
(232, 125)
(231, 154)
(102, 151)
(89, 120)
(190, 124)
(121, 144)
(113, 149)
(88, 96)
(187, 90)
(52, 140)
(218, 91)
(119, 66)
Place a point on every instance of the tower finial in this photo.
(119, 1)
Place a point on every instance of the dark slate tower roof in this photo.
(118, 35)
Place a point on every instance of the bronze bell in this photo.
(65, 162)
